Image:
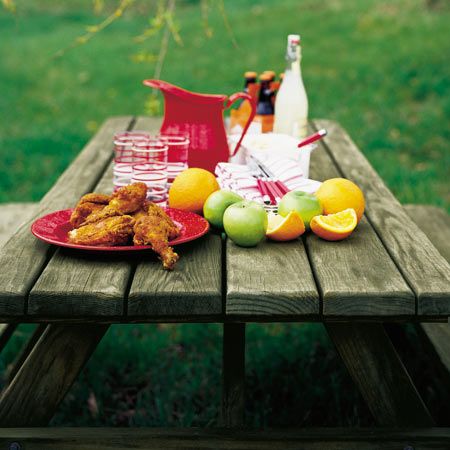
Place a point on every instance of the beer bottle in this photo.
(239, 116)
(264, 107)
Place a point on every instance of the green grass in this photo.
(379, 68)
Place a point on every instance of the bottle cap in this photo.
(294, 39)
(250, 74)
(265, 76)
(271, 73)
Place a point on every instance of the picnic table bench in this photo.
(387, 271)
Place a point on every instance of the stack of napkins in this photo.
(241, 179)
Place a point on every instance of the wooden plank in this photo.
(272, 279)
(233, 375)
(379, 374)
(47, 374)
(220, 439)
(12, 215)
(23, 257)
(14, 367)
(425, 270)
(357, 277)
(192, 290)
(78, 283)
(435, 223)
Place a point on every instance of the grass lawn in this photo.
(380, 68)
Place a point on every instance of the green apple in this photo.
(307, 205)
(216, 204)
(245, 223)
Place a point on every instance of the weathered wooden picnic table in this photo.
(387, 271)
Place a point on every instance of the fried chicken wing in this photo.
(155, 229)
(110, 231)
(88, 204)
(125, 200)
(172, 229)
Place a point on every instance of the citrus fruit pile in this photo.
(332, 213)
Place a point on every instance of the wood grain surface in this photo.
(356, 276)
(222, 439)
(425, 270)
(272, 279)
(24, 257)
(379, 374)
(24, 352)
(437, 335)
(192, 289)
(45, 377)
(435, 223)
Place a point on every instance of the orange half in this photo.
(335, 227)
(285, 228)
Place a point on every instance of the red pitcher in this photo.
(201, 117)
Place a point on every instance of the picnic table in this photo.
(387, 271)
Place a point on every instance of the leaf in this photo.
(92, 405)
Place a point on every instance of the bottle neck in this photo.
(265, 106)
(293, 58)
(247, 82)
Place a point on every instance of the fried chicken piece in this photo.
(172, 229)
(125, 200)
(88, 204)
(141, 212)
(110, 231)
(155, 229)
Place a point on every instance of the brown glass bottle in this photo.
(264, 108)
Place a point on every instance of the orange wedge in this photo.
(335, 227)
(285, 228)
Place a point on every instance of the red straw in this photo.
(263, 190)
(283, 188)
(276, 188)
(313, 138)
(273, 194)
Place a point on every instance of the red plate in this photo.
(53, 228)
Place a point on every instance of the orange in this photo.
(337, 194)
(191, 188)
(285, 228)
(335, 227)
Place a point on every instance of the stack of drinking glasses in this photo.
(153, 160)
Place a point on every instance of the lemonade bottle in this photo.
(291, 104)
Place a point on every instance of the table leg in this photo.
(25, 351)
(233, 373)
(47, 374)
(379, 373)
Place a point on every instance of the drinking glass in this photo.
(123, 155)
(178, 152)
(150, 167)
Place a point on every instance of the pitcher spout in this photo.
(184, 94)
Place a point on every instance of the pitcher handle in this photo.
(249, 98)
